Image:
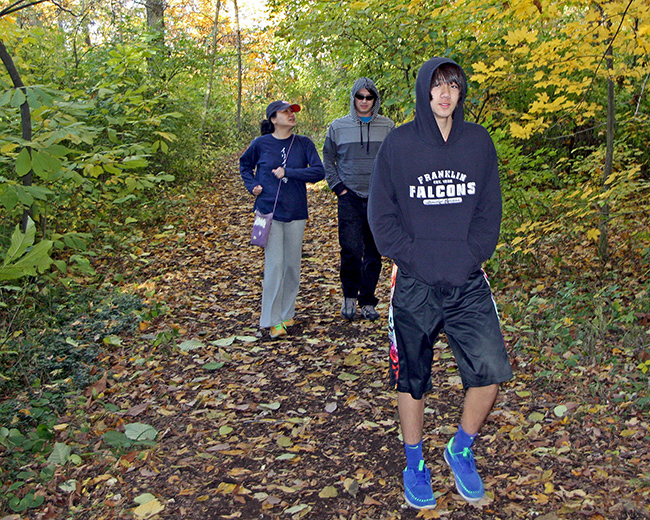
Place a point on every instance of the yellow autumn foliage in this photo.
(517, 36)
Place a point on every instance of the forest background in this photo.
(116, 114)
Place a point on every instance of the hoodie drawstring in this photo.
(368, 143)
(361, 137)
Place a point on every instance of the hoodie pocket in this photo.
(443, 262)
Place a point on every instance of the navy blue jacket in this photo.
(266, 153)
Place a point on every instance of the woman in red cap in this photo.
(284, 160)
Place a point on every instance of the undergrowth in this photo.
(593, 323)
(50, 352)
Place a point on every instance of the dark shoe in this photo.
(349, 308)
(369, 312)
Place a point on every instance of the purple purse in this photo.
(262, 221)
(262, 226)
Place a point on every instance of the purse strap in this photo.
(283, 165)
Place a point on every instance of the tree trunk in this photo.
(116, 14)
(603, 239)
(156, 16)
(213, 58)
(156, 24)
(26, 123)
(239, 67)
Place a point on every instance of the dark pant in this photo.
(360, 260)
(469, 318)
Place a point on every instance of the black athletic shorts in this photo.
(467, 315)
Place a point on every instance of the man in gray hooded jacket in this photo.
(350, 148)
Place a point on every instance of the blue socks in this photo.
(413, 455)
(462, 440)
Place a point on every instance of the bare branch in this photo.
(16, 6)
(64, 9)
(636, 112)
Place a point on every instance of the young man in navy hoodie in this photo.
(435, 209)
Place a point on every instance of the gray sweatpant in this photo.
(282, 258)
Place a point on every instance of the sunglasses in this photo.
(361, 97)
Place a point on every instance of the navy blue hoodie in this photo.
(434, 206)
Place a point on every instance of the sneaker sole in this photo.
(412, 505)
(458, 486)
(281, 334)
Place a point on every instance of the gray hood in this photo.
(366, 83)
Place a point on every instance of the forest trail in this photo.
(306, 427)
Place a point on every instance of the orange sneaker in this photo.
(277, 331)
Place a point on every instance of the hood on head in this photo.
(425, 121)
(366, 83)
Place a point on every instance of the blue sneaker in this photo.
(468, 481)
(417, 488)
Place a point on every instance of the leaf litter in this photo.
(238, 426)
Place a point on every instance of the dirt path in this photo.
(305, 427)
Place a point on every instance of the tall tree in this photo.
(117, 8)
(156, 16)
(603, 238)
(213, 59)
(156, 25)
(26, 120)
(239, 66)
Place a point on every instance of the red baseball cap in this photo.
(278, 106)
